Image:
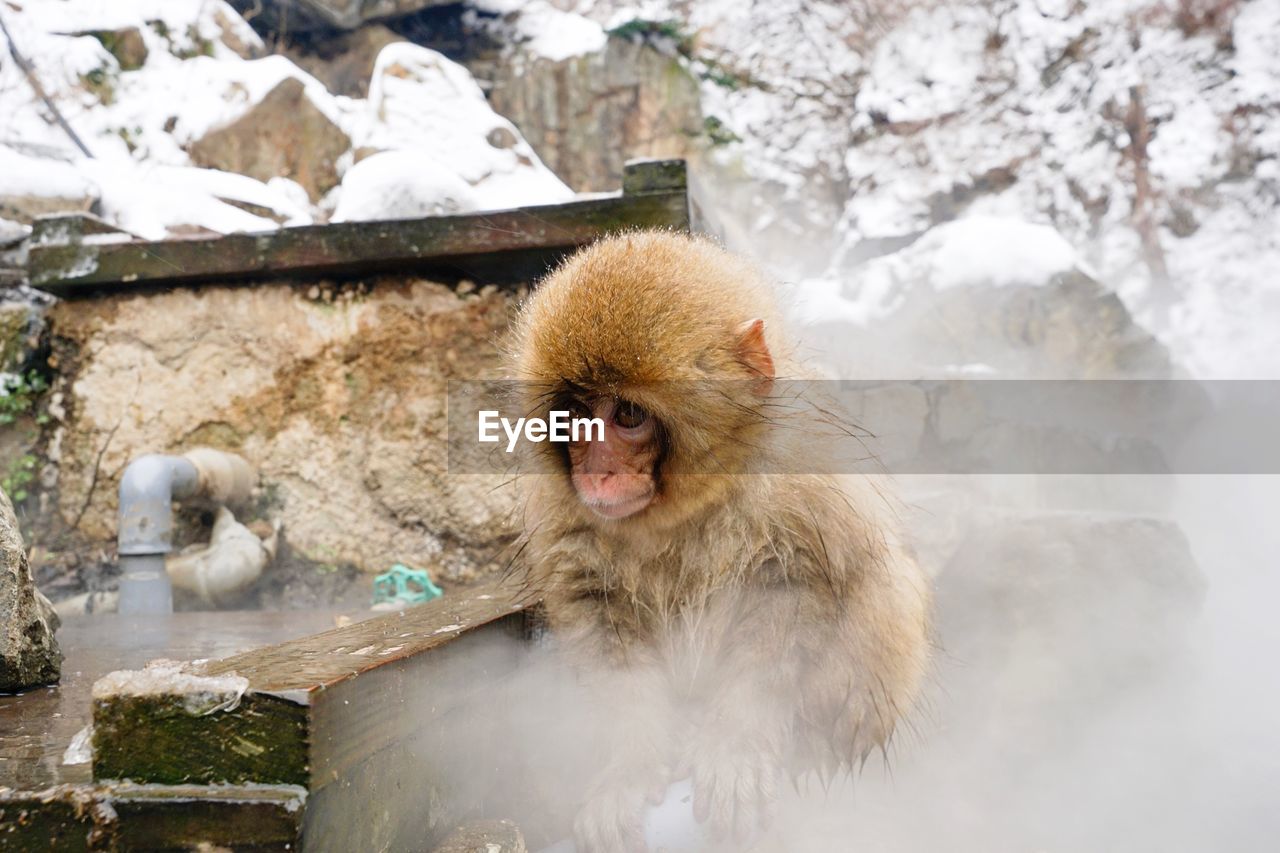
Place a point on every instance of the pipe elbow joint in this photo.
(152, 482)
(147, 489)
(222, 478)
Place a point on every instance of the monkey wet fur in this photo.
(739, 625)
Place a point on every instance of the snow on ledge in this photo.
(200, 695)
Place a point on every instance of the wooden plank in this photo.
(69, 263)
(302, 667)
(309, 711)
(397, 755)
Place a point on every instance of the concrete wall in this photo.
(335, 393)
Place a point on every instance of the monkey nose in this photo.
(611, 494)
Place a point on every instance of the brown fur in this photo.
(748, 622)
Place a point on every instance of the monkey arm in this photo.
(629, 690)
(637, 757)
(864, 674)
(748, 699)
(801, 679)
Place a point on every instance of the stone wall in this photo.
(336, 393)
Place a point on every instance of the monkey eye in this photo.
(628, 415)
(575, 406)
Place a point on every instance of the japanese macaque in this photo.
(747, 616)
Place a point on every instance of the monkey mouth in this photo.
(617, 509)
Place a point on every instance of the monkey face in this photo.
(615, 476)
(661, 338)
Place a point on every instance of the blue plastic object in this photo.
(406, 585)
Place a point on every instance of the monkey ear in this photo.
(753, 354)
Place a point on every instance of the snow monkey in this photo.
(745, 616)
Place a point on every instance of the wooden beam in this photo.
(71, 261)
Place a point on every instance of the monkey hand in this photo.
(735, 788)
(612, 819)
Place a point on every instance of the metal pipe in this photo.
(148, 489)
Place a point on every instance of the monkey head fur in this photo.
(673, 328)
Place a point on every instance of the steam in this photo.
(1107, 644)
(1179, 752)
(1128, 715)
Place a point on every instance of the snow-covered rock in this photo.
(985, 295)
(204, 94)
(977, 251)
(400, 185)
(421, 101)
(153, 200)
(284, 135)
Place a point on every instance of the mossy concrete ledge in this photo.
(80, 255)
(120, 817)
(167, 725)
(357, 717)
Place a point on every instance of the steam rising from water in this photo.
(1126, 715)
(1179, 753)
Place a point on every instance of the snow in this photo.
(183, 20)
(1257, 44)
(985, 250)
(977, 251)
(80, 750)
(154, 200)
(199, 695)
(420, 101)
(401, 185)
(1190, 149)
(927, 68)
(139, 124)
(870, 123)
(22, 175)
(547, 31)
